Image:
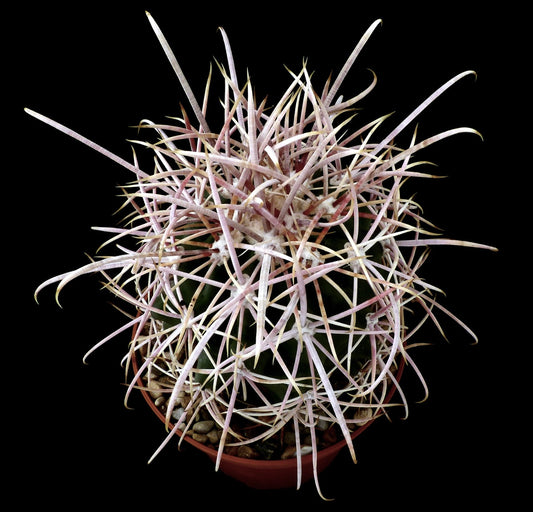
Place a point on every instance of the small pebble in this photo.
(203, 427)
(177, 413)
(306, 450)
(201, 438)
(160, 401)
(214, 436)
(183, 400)
(291, 451)
(247, 453)
(155, 389)
(231, 450)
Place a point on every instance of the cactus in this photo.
(275, 271)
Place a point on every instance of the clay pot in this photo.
(267, 474)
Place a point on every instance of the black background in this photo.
(100, 70)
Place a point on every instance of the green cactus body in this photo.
(337, 289)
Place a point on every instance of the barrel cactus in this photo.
(272, 262)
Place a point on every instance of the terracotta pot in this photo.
(267, 474)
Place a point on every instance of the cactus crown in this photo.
(276, 259)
